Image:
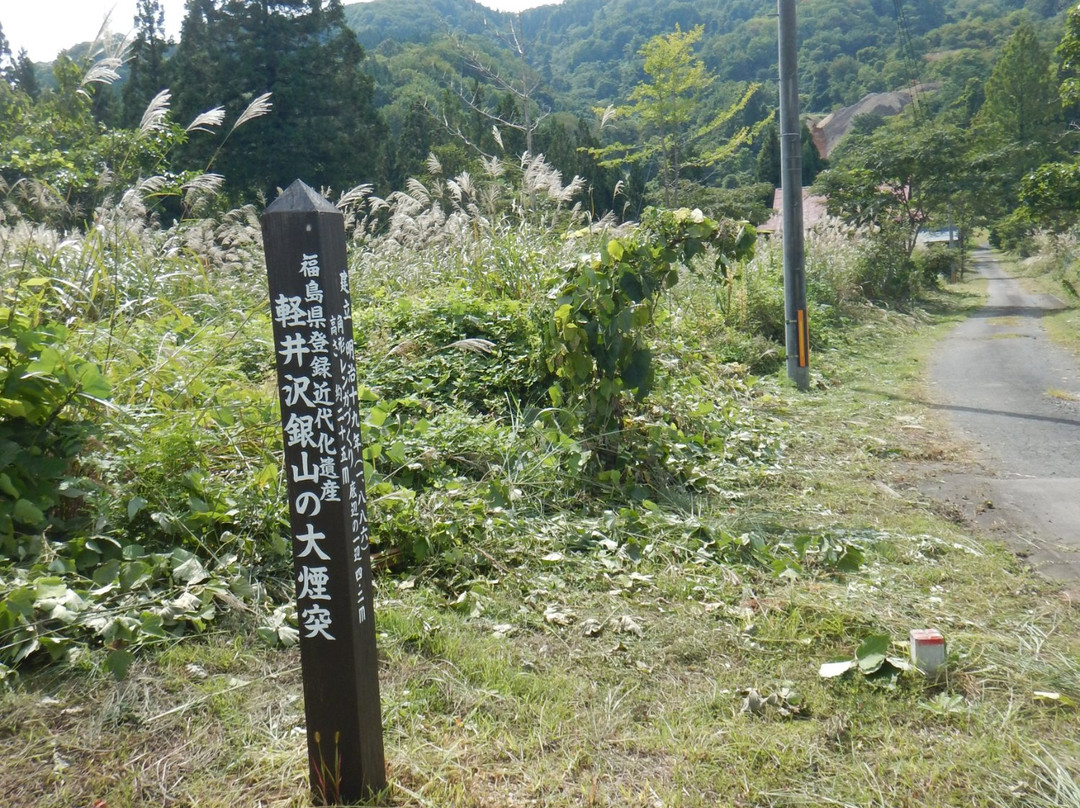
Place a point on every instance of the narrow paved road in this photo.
(1016, 397)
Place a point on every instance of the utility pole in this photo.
(796, 327)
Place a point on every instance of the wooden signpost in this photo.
(304, 243)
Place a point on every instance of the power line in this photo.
(907, 49)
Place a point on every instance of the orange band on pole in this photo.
(803, 338)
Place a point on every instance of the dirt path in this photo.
(1015, 397)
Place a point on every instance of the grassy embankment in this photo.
(567, 646)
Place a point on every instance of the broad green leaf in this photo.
(900, 663)
(268, 635)
(8, 487)
(190, 571)
(118, 662)
(631, 286)
(786, 568)
(56, 646)
(153, 625)
(107, 573)
(134, 574)
(871, 653)
(25, 649)
(132, 551)
(49, 589)
(93, 385)
(46, 362)
(135, 504)
(851, 560)
(376, 416)
(13, 407)
(396, 453)
(28, 513)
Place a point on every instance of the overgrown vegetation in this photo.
(615, 549)
(553, 631)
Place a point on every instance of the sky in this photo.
(46, 27)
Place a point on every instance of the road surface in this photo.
(1015, 397)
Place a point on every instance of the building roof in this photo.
(813, 212)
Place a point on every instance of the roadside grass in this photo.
(644, 672)
(1054, 270)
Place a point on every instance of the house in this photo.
(813, 212)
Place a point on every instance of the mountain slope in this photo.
(586, 50)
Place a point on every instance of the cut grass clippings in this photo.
(592, 676)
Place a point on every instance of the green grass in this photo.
(610, 677)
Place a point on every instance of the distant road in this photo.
(1016, 397)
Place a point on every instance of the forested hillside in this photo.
(457, 81)
(586, 49)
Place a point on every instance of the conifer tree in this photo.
(1019, 124)
(146, 66)
(1023, 104)
(323, 127)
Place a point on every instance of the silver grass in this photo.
(474, 345)
(576, 186)
(131, 203)
(151, 185)
(433, 164)
(607, 222)
(199, 190)
(204, 183)
(493, 166)
(156, 111)
(205, 121)
(466, 183)
(498, 137)
(39, 195)
(607, 115)
(405, 204)
(103, 71)
(102, 33)
(256, 109)
(355, 195)
(101, 43)
(489, 197)
(418, 191)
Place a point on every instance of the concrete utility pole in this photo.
(796, 327)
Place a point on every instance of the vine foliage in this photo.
(608, 302)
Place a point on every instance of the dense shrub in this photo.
(1014, 233)
(885, 272)
(935, 263)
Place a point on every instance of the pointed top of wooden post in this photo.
(301, 198)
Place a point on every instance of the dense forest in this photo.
(456, 82)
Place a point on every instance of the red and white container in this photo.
(927, 650)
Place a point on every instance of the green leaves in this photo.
(871, 660)
(131, 599)
(597, 338)
(42, 430)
